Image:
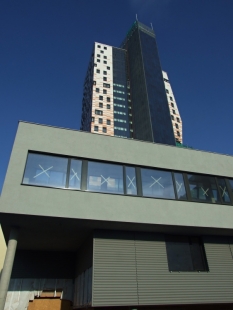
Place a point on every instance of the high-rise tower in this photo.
(124, 90)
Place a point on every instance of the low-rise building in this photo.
(102, 221)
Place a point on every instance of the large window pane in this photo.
(185, 254)
(75, 174)
(131, 187)
(203, 188)
(157, 183)
(223, 190)
(180, 188)
(179, 254)
(45, 170)
(105, 178)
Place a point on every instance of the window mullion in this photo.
(68, 173)
(84, 175)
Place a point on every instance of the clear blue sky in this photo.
(45, 46)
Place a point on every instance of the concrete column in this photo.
(8, 264)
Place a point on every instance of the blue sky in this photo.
(45, 46)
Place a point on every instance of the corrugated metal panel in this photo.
(231, 245)
(118, 280)
(156, 285)
(114, 274)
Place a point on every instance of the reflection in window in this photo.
(223, 190)
(203, 188)
(105, 178)
(44, 170)
(75, 174)
(157, 183)
(131, 187)
(180, 188)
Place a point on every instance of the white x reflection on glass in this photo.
(179, 186)
(74, 175)
(131, 181)
(156, 181)
(105, 180)
(224, 191)
(205, 192)
(43, 171)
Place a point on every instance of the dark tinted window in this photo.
(203, 188)
(98, 112)
(185, 254)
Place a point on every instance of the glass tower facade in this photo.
(135, 105)
(120, 103)
(151, 115)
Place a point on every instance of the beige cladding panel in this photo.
(174, 107)
(108, 114)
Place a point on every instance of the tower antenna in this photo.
(151, 26)
(137, 17)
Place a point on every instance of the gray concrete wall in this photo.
(132, 269)
(20, 199)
